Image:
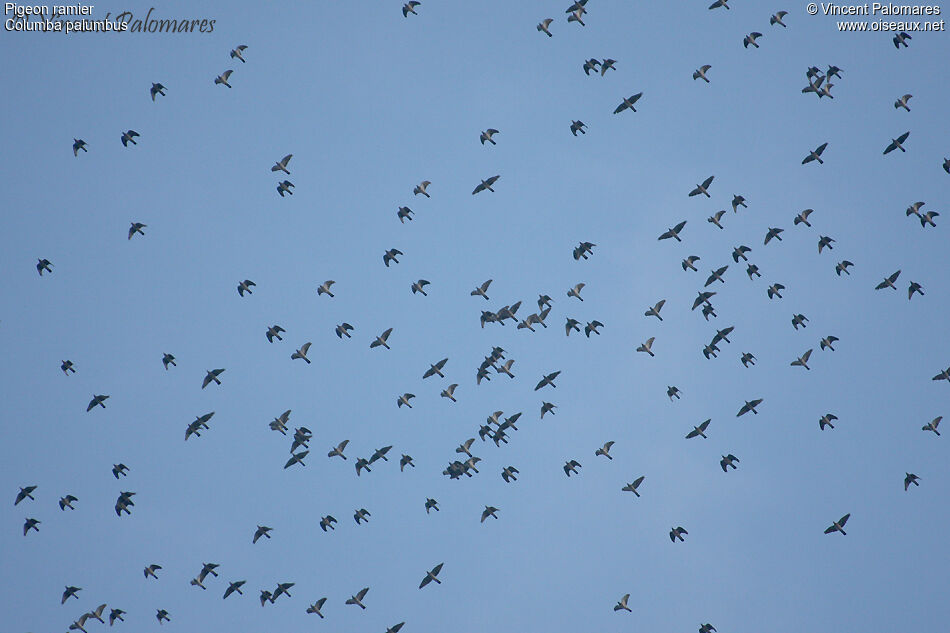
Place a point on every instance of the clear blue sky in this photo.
(370, 104)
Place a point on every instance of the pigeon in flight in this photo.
(578, 126)
(97, 400)
(627, 103)
(490, 511)
(67, 502)
(421, 189)
(838, 526)
(316, 606)
(677, 533)
(486, 185)
(79, 144)
(815, 155)
(897, 143)
(390, 256)
(699, 431)
(157, 89)
(547, 380)
(418, 287)
(777, 19)
(281, 165)
(543, 26)
(747, 359)
(245, 286)
(262, 530)
(749, 406)
(902, 102)
(826, 420)
(703, 188)
(901, 38)
(888, 282)
(486, 136)
(632, 487)
(238, 52)
(223, 78)
(750, 39)
(701, 73)
(431, 576)
(604, 450)
(802, 218)
(285, 186)
(647, 346)
(409, 7)
(910, 478)
(727, 461)
(212, 376)
(673, 232)
(381, 340)
(932, 425)
(129, 137)
(842, 267)
(622, 603)
(828, 341)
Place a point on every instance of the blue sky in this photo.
(370, 104)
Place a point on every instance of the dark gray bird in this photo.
(245, 286)
(129, 137)
(79, 144)
(677, 533)
(703, 188)
(815, 155)
(431, 576)
(583, 250)
(889, 281)
(405, 460)
(486, 136)
(914, 288)
(490, 511)
(508, 474)
(622, 603)
(826, 420)
(775, 19)
(238, 52)
(116, 614)
(486, 185)
(701, 73)
(773, 233)
(673, 232)
(591, 327)
(285, 186)
(316, 606)
(120, 470)
(933, 424)
(168, 359)
(901, 38)
(420, 189)
(449, 392)
(838, 526)
(739, 252)
(358, 598)
(749, 406)
(632, 487)
(719, 3)
(67, 502)
(390, 256)
(747, 359)
(262, 530)
(727, 461)
(136, 228)
(543, 26)
(827, 342)
(338, 450)
(578, 126)
(773, 290)
(570, 467)
(409, 7)
(25, 493)
(157, 89)
(70, 593)
(604, 450)
(738, 201)
(802, 218)
(897, 143)
(343, 329)
(211, 375)
(223, 78)
(31, 524)
(902, 102)
(606, 65)
(655, 310)
(716, 275)
(44, 265)
(689, 262)
(432, 504)
(162, 614)
(327, 522)
(150, 571)
(381, 340)
(628, 103)
(699, 431)
(419, 286)
(296, 458)
(842, 267)
(302, 353)
(404, 213)
(750, 39)
(702, 297)
(547, 380)
(647, 346)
